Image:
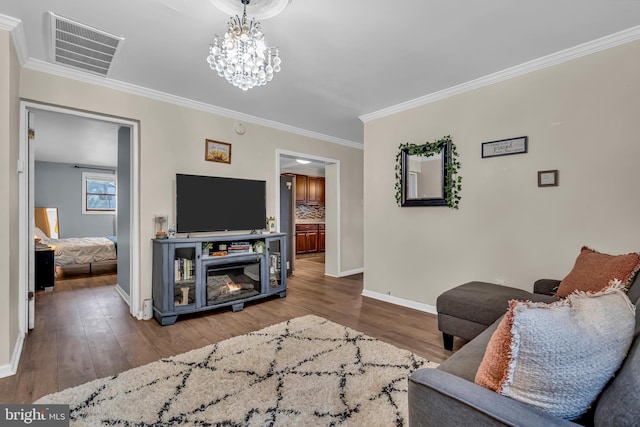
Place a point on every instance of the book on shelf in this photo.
(237, 250)
(184, 269)
(240, 248)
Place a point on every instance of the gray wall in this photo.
(59, 185)
(124, 208)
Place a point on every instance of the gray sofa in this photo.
(448, 396)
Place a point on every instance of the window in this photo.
(98, 193)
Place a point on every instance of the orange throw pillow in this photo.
(593, 271)
(494, 369)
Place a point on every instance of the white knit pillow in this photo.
(558, 357)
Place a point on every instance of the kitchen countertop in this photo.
(309, 222)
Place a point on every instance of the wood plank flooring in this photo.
(84, 330)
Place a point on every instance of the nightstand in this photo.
(44, 268)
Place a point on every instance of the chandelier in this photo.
(241, 56)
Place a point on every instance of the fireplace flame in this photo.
(232, 287)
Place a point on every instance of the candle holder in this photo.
(161, 226)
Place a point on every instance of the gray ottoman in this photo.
(467, 310)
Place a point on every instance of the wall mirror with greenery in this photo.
(427, 174)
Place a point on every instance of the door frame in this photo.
(25, 226)
(333, 258)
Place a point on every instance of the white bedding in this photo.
(82, 250)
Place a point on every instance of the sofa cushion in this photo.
(464, 362)
(634, 291)
(618, 404)
(558, 357)
(593, 271)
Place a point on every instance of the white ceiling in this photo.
(340, 59)
(290, 163)
(64, 138)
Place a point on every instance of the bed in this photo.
(73, 250)
(80, 250)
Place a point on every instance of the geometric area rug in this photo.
(306, 371)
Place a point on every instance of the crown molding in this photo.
(46, 67)
(607, 42)
(14, 26)
(8, 23)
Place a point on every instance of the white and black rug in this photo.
(307, 371)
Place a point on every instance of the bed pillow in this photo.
(558, 357)
(593, 270)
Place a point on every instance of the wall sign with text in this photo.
(505, 147)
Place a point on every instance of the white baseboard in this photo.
(346, 273)
(12, 367)
(351, 272)
(123, 294)
(400, 301)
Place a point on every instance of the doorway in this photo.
(308, 201)
(127, 219)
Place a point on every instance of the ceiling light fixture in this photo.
(241, 56)
(303, 162)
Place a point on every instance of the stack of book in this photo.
(184, 269)
(240, 248)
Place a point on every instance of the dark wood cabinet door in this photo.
(312, 241)
(312, 190)
(321, 241)
(301, 189)
(301, 242)
(320, 190)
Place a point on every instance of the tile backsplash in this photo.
(306, 213)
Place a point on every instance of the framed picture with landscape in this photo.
(215, 151)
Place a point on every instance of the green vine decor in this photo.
(452, 181)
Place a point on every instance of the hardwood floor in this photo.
(84, 330)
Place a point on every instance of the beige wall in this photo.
(582, 117)
(172, 140)
(9, 145)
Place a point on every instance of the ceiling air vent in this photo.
(79, 46)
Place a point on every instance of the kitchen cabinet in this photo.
(315, 190)
(321, 244)
(309, 239)
(309, 190)
(301, 189)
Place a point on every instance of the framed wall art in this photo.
(505, 147)
(548, 178)
(216, 151)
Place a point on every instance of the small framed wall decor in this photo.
(548, 178)
(505, 147)
(215, 151)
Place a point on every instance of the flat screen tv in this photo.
(209, 203)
